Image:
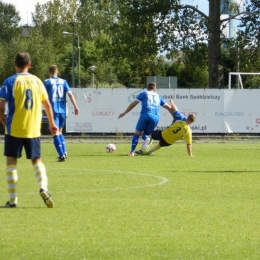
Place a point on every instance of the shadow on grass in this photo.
(95, 155)
(4, 207)
(218, 171)
(241, 149)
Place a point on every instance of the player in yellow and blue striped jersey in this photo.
(24, 95)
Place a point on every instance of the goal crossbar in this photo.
(239, 77)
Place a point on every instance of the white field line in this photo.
(162, 181)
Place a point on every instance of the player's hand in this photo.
(121, 115)
(77, 111)
(54, 129)
(3, 121)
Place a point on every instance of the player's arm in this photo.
(173, 109)
(173, 106)
(2, 111)
(73, 101)
(49, 113)
(129, 108)
(189, 149)
(166, 106)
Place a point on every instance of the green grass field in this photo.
(111, 206)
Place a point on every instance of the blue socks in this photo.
(144, 137)
(58, 145)
(62, 138)
(134, 142)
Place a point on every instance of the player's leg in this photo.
(58, 145)
(134, 142)
(57, 140)
(33, 151)
(156, 135)
(62, 137)
(146, 143)
(41, 177)
(138, 131)
(11, 180)
(152, 122)
(12, 151)
(63, 143)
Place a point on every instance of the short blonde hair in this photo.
(191, 117)
(53, 69)
(151, 86)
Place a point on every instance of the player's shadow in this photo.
(102, 154)
(4, 207)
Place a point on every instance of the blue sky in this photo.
(203, 5)
(26, 7)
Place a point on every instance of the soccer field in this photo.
(112, 206)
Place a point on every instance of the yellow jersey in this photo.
(177, 131)
(24, 94)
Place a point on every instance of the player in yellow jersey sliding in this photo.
(180, 129)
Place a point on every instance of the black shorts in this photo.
(157, 135)
(14, 145)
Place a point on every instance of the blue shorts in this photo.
(146, 123)
(59, 119)
(157, 135)
(14, 145)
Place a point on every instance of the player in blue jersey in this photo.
(149, 117)
(24, 95)
(179, 130)
(57, 89)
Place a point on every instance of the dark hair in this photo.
(53, 69)
(151, 86)
(22, 59)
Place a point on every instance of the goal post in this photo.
(238, 74)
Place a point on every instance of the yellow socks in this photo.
(40, 175)
(11, 179)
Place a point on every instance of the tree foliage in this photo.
(179, 25)
(9, 22)
(128, 41)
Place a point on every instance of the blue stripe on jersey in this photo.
(178, 116)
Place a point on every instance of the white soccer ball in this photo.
(110, 148)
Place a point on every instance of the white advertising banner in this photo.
(217, 111)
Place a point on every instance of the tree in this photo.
(3, 59)
(191, 67)
(53, 17)
(174, 22)
(248, 44)
(96, 16)
(9, 22)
